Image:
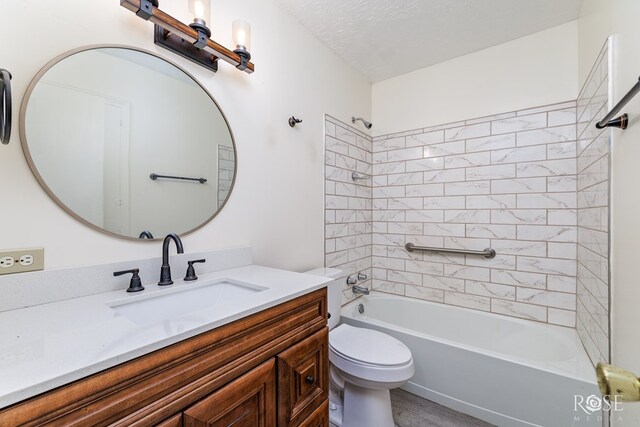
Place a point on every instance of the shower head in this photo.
(366, 124)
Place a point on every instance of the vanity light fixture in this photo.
(193, 41)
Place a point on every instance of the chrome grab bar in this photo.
(487, 253)
(155, 176)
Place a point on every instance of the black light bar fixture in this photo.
(193, 41)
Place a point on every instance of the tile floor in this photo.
(413, 411)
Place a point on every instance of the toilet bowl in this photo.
(364, 366)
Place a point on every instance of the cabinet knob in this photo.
(311, 379)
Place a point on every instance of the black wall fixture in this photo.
(5, 106)
(622, 121)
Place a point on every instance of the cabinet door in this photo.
(319, 417)
(249, 401)
(303, 378)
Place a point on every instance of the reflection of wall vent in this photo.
(226, 164)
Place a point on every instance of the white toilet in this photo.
(365, 365)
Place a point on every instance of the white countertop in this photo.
(46, 346)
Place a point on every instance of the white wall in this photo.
(620, 18)
(277, 203)
(534, 70)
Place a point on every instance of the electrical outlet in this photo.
(26, 260)
(21, 260)
(7, 262)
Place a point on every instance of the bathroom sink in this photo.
(178, 302)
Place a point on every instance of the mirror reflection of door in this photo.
(116, 168)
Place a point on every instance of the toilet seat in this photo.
(370, 355)
(368, 347)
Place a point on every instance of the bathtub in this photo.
(505, 371)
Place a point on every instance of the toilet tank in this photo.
(334, 292)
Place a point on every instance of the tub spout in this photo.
(360, 290)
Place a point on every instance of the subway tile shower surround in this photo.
(506, 181)
(593, 212)
(347, 202)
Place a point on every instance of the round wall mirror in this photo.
(128, 142)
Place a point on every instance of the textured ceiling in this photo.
(386, 38)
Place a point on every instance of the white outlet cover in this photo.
(7, 262)
(26, 260)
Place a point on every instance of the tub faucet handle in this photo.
(362, 276)
(352, 280)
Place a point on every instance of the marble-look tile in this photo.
(518, 247)
(449, 202)
(516, 309)
(467, 160)
(490, 290)
(491, 231)
(426, 138)
(446, 149)
(443, 283)
(490, 172)
(562, 117)
(425, 215)
(446, 175)
(563, 250)
(519, 216)
(561, 284)
(548, 233)
(405, 154)
(466, 132)
(495, 142)
(467, 216)
(557, 184)
(442, 229)
(546, 168)
(467, 272)
(518, 278)
(562, 150)
(547, 200)
(520, 154)
(562, 300)
(466, 188)
(389, 144)
(547, 136)
(518, 186)
(405, 178)
(562, 217)
(491, 202)
(560, 267)
(425, 190)
(520, 123)
(467, 300)
(562, 317)
(422, 165)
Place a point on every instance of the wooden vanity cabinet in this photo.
(266, 370)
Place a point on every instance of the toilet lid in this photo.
(368, 346)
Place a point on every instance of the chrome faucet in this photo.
(360, 290)
(165, 270)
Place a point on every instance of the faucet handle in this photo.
(135, 285)
(191, 272)
(362, 276)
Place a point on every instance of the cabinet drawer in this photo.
(303, 378)
(249, 401)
